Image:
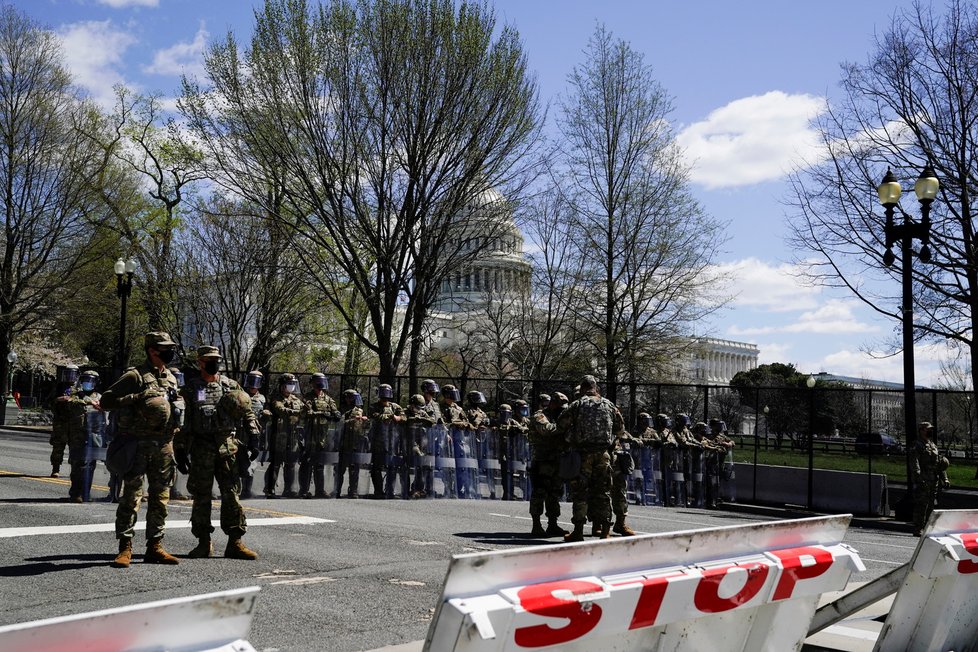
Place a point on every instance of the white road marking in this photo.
(883, 561)
(306, 580)
(9, 532)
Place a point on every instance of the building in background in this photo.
(714, 361)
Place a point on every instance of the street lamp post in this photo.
(889, 192)
(810, 383)
(124, 270)
(11, 361)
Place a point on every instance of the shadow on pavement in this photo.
(44, 565)
(59, 499)
(506, 538)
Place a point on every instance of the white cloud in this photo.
(119, 4)
(753, 139)
(772, 352)
(927, 365)
(763, 286)
(94, 53)
(834, 317)
(181, 58)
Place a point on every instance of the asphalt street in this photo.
(361, 575)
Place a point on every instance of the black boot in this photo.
(538, 530)
(554, 530)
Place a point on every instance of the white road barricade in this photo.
(748, 587)
(936, 609)
(213, 622)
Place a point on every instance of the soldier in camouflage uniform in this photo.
(506, 430)
(453, 416)
(720, 444)
(77, 408)
(591, 424)
(206, 447)
(252, 385)
(649, 457)
(546, 445)
(623, 464)
(283, 436)
(419, 420)
(927, 467)
(383, 412)
(143, 399)
(689, 452)
(351, 441)
(318, 410)
(67, 375)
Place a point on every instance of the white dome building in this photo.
(501, 268)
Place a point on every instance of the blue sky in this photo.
(746, 77)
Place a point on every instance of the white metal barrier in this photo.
(749, 587)
(214, 622)
(936, 608)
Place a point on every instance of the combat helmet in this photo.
(236, 404)
(352, 397)
(385, 391)
(428, 386)
(417, 400)
(320, 381)
(475, 398)
(451, 392)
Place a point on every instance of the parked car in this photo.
(877, 443)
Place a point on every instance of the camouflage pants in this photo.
(590, 491)
(155, 461)
(619, 493)
(923, 501)
(547, 488)
(58, 441)
(82, 471)
(206, 465)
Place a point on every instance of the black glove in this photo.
(183, 461)
(253, 453)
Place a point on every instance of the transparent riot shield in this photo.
(445, 479)
(519, 457)
(635, 482)
(466, 447)
(652, 470)
(675, 476)
(353, 453)
(396, 463)
(93, 450)
(728, 478)
(325, 461)
(491, 448)
(421, 459)
(695, 489)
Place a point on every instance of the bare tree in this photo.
(244, 286)
(645, 242)
(913, 102)
(388, 120)
(46, 197)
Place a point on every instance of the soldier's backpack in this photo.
(595, 422)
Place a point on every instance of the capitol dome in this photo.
(501, 268)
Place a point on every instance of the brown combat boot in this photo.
(124, 558)
(204, 549)
(621, 528)
(237, 550)
(576, 535)
(604, 530)
(554, 530)
(156, 555)
(538, 530)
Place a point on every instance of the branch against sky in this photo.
(914, 101)
(645, 243)
(387, 122)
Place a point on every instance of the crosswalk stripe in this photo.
(10, 532)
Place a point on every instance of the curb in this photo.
(790, 511)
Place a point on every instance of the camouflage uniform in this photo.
(506, 432)
(60, 416)
(142, 399)
(246, 471)
(283, 443)
(927, 466)
(591, 489)
(546, 445)
(382, 414)
(210, 437)
(453, 416)
(318, 410)
(80, 409)
(623, 464)
(716, 444)
(650, 460)
(419, 421)
(351, 441)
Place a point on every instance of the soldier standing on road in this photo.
(507, 431)
(927, 466)
(546, 445)
(206, 447)
(453, 416)
(143, 399)
(318, 409)
(252, 385)
(283, 436)
(418, 428)
(84, 427)
(351, 441)
(67, 375)
(721, 444)
(623, 464)
(384, 414)
(591, 424)
(650, 460)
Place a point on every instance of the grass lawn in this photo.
(894, 466)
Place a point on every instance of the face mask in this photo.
(290, 388)
(87, 385)
(166, 355)
(319, 384)
(211, 367)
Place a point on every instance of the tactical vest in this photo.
(594, 425)
(129, 421)
(351, 437)
(206, 421)
(317, 425)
